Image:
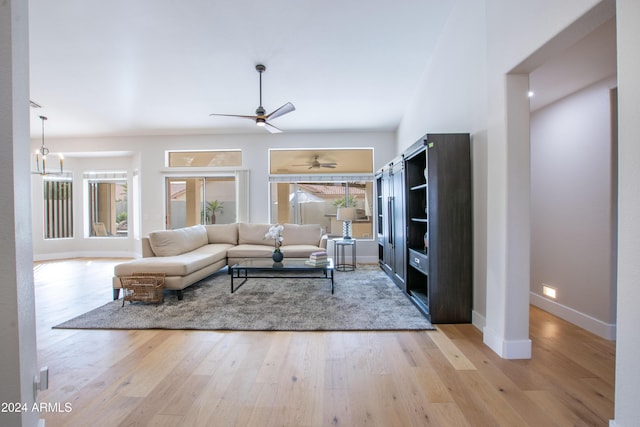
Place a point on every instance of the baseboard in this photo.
(367, 260)
(478, 320)
(514, 349)
(591, 324)
(84, 254)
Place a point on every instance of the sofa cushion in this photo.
(305, 234)
(222, 233)
(253, 234)
(179, 265)
(250, 251)
(178, 241)
(299, 251)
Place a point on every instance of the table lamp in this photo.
(346, 215)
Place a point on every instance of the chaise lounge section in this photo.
(188, 255)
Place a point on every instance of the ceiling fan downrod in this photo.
(260, 111)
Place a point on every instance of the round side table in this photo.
(341, 259)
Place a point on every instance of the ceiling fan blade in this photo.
(286, 108)
(271, 128)
(235, 115)
(329, 165)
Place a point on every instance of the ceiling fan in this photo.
(261, 118)
(317, 164)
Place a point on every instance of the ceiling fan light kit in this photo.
(261, 118)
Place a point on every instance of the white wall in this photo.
(147, 155)
(572, 223)
(627, 410)
(452, 97)
(18, 351)
(467, 87)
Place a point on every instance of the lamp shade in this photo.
(346, 214)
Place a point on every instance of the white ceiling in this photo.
(148, 67)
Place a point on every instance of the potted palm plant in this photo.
(213, 207)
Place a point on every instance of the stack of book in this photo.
(317, 259)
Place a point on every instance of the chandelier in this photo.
(41, 158)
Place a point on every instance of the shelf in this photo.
(423, 220)
(421, 300)
(421, 251)
(419, 187)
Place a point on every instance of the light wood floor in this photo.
(198, 378)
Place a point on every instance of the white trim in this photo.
(84, 254)
(478, 320)
(514, 349)
(105, 175)
(342, 177)
(591, 324)
(242, 196)
(199, 172)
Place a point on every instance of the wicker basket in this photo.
(143, 287)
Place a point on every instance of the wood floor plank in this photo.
(356, 378)
(448, 414)
(465, 398)
(457, 359)
(337, 411)
(548, 402)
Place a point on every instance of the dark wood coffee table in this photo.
(265, 268)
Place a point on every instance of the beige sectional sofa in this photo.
(187, 255)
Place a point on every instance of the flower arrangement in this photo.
(275, 233)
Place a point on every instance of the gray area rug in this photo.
(364, 299)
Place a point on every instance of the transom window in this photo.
(204, 158)
(320, 161)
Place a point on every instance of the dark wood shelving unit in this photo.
(390, 183)
(438, 235)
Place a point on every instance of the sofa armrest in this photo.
(323, 241)
(147, 252)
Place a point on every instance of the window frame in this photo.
(104, 176)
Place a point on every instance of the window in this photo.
(58, 207)
(205, 158)
(200, 200)
(316, 202)
(107, 204)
